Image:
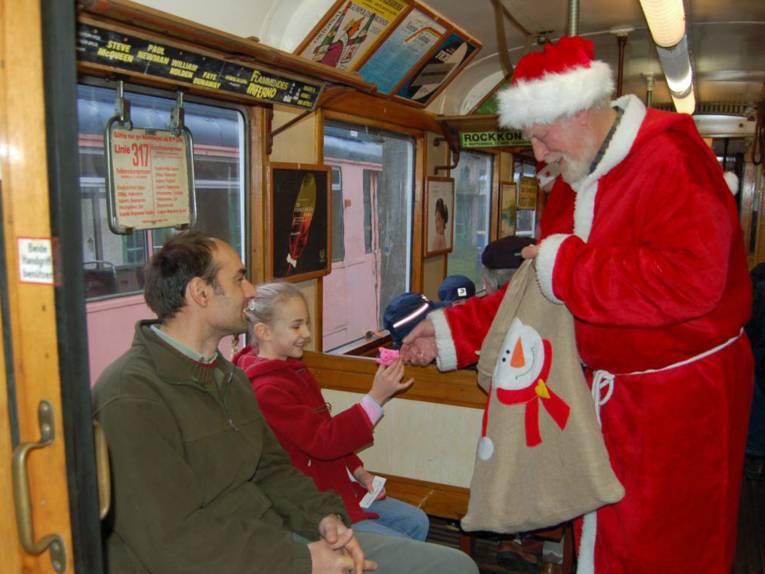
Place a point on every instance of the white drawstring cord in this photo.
(600, 380)
(605, 380)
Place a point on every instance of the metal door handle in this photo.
(21, 498)
(103, 471)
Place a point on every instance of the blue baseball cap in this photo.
(404, 312)
(455, 288)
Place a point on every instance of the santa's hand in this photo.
(530, 251)
(419, 346)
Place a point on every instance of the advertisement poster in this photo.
(151, 179)
(528, 188)
(439, 223)
(451, 55)
(300, 223)
(506, 208)
(505, 138)
(414, 37)
(111, 48)
(352, 29)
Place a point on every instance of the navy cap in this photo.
(505, 253)
(404, 312)
(456, 287)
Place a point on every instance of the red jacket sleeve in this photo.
(319, 436)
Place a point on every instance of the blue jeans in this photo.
(396, 519)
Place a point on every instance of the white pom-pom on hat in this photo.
(732, 180)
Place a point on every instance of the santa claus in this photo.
(642, 243)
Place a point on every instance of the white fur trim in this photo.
(545, 263)
(732, 180)
(554, 95)
(586, 557)
(626, 132)
(618, 148)
(584, 208)
(447, 352)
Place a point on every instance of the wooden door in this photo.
(52, 494)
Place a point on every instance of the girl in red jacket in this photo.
(320, 445)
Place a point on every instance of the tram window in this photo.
(338, 209)
(371, 180)
(113, 264)
(472, 210)
(525, 219)
(377, 173)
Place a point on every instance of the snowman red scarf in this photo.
(541, 458)
(534, 392)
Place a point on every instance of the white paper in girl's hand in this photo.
(378, 482)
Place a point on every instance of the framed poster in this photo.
(414, 37)
(528, 188)
(300, 221)
(507, 191)
(449, 58)
(439, 215)
(349, 30)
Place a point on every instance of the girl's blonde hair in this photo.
(262, 307)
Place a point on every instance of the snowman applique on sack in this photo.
(541, 459)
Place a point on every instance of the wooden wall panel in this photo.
(32, 308)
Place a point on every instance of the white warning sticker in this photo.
(36, 260)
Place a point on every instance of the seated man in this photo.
(200, 483)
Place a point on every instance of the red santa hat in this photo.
(559, 81)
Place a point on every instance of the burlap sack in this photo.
(541, 459)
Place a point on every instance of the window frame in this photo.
(368, 345)
(491, 203)
(244, 159)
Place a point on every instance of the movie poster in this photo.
(451, 55)
(414, 37)
(355, 26)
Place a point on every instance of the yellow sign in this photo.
(527, 193)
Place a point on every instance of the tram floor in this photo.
(750, 549)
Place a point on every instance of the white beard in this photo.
(572, 170)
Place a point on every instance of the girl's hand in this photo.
(365, 478)
(388, 382)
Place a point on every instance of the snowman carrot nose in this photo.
(518, 360)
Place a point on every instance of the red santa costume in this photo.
(647, 254)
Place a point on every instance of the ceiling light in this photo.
(666, 20)
(676, 65)
(685, 104)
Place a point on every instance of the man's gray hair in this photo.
(495, 279)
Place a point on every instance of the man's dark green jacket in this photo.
(200, 483)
